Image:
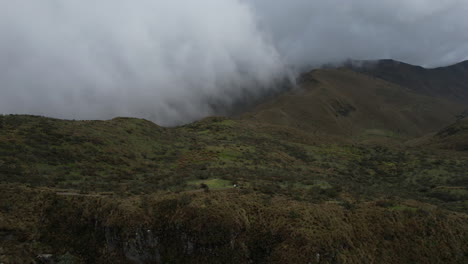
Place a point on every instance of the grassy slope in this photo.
(132, 156)
(453, 137)
(343, 102)
(447, 82)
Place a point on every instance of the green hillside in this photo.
(59, 176)
(359, 107)
(133, 156)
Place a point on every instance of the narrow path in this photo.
(77, 194)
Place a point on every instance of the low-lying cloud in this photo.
(311, 32)
(177, 61)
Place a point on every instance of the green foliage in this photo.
(132, 156)
(122, 177)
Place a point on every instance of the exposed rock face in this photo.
(142, 247)
(148, 246)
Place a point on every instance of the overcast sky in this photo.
(168, 60)
(424, 32)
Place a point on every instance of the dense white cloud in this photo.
(164, 60)
(171, 61)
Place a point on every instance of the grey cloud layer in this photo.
(168, 61)
(424, 32)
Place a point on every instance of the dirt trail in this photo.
(77, 194)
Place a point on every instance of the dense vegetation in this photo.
(80, 189)
(226, 227)
(132, 156)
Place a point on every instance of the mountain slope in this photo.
(453, 137)
(347, 103)
(449, 82)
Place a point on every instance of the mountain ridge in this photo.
(349, 103)
(450, 82)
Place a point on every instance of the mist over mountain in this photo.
(278, 132)
(153, 59)
(174, 62)
(421, 32)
